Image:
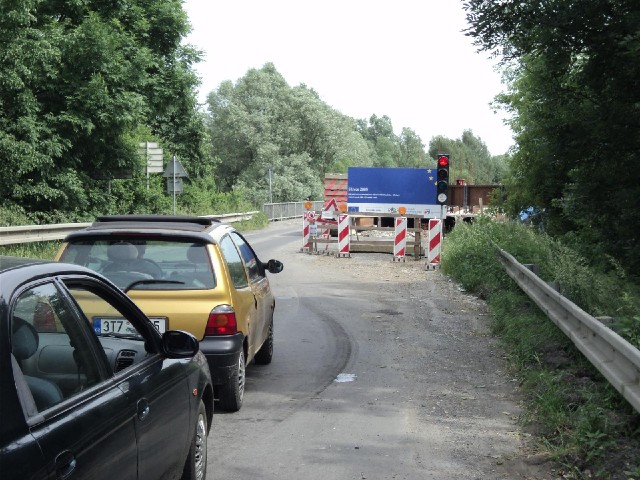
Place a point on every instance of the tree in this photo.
(470, 159)
(573, 94)
(261, 123)
(378, 131)
(412, 152)
(77, 81)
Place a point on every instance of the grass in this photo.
(44, 250)
(257, 221)
(584, 424)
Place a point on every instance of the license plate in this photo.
(123, 327)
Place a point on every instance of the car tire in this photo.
(265, 354)
(232, 392)
(195, 468)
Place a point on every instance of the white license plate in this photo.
(120, 326)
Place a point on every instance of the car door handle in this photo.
(65, 464)
(143, 409)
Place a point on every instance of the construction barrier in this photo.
(435, 242)
(400, 239)
(362, 242)
(307, 219)
(344, 235)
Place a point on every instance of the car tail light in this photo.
(43, 318)
(222, 321)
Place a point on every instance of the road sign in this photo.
(153, 155)
(386, 190)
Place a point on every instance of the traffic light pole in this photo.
(442, 187)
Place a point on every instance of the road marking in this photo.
(346, 377)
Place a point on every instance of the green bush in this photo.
(11, 214)
(258, 220)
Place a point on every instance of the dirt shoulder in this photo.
(462, 403)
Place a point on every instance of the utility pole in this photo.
(174, 184)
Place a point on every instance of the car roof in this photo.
(41, 266)
(190, 227)
(17, 270)
(9, 263)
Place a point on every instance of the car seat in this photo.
(24, 344)
(124, 257)
(202, 275)
(145, 265)
(121, 255)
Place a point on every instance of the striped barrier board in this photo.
(307, 219)
(435, 242)
(400, 239)
(344, 235)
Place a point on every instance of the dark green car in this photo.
(128, 403)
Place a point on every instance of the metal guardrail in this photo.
(613, 356)
(233, 217)
(37, 233)
(45, 233)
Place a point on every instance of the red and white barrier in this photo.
(400, 239)
(344, 236)
(435, 242)
(307, 219)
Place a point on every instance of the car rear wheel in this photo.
(195, 467)
(232, 392)
(265, 354)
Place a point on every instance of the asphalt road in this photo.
(380, 371)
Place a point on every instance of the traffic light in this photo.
(442, 183)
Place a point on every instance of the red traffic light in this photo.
(443, 161)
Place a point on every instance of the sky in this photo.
(407, 59)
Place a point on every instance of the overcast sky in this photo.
(407, 59)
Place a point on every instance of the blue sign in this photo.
(385, 190)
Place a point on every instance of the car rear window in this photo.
(153, 264)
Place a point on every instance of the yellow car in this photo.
(187, 273)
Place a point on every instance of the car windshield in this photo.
(176, 265)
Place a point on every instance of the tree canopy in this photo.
(261, 123)
(80, 84)
(572, 70)
(471, 159)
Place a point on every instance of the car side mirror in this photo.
(274, 266)
(179, 344)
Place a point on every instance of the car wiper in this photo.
(126, 336)
(152, 281)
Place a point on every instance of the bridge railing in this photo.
(283, 211)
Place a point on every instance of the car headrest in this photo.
(122, 252)
(24, 339)
(197, 254)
